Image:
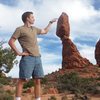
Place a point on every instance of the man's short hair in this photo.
(25, 15)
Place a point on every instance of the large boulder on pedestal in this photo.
(71, 57)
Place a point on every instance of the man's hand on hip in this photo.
(24, 54)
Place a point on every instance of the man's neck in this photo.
(27, 24)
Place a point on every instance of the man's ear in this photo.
(27, 18)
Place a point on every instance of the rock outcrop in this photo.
(71, 57)
(97, 53)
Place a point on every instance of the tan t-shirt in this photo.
(27, 38)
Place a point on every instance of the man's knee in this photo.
(23, 81)
(37, 81)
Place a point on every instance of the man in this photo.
(30, 63)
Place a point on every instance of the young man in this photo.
(30, 63)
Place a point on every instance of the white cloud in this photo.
(39, 39)
(51, 62)
(50, 58)
(51, 68)
(87, 52)
(9, 18)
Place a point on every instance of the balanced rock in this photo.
(71, 57)
(63, 28)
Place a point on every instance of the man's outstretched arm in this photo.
(46, 29)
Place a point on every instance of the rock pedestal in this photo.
(71, 57)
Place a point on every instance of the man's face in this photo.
(31, 19)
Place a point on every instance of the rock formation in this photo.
(71, 57)
(63, 28)
(97, 53)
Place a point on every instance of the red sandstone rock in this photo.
(71, 57)
(63, 28)
(97, 53)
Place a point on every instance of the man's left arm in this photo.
(46, 29)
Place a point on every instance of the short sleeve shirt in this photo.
(27, 37)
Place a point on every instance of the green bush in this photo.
(5, 81)
(72, 82)
(1, 85)
(28, 84)
(44, 81)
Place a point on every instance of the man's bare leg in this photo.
(37, 89)
(19, 88)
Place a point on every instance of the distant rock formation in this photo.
(71, 57)
(97, 53)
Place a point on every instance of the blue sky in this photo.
(84, 17)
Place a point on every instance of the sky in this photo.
(84, 19)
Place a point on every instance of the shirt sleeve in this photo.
(16, 34)
(38, 30)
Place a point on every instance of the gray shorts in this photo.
(30, 66)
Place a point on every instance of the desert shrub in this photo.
(1, 85)
(98, 78)
(5, 81)
(28, 84)
(5, 96)
(72, 82)
(10, 92)
(80, 97)
(98, 84)
(52, 98)
(1, 90)
(64, 98)
(25, 90)
(44, 80)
